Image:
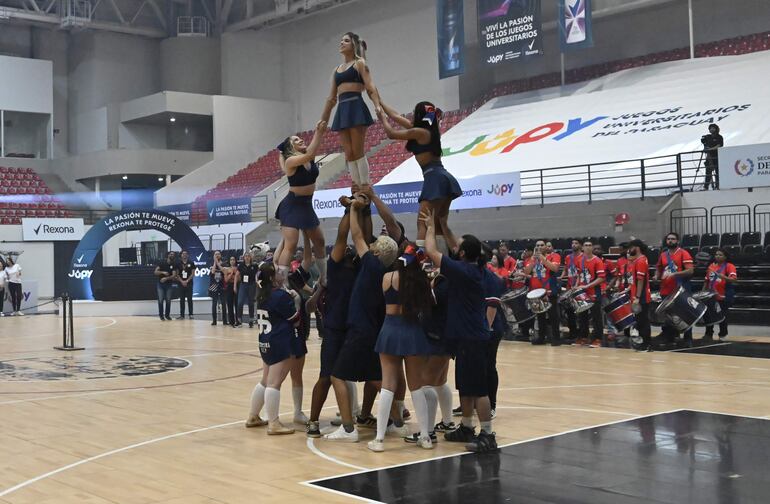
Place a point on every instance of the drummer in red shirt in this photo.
(539, 269)
(509, 262)
(591, 276)
(720, 278)
(674, 269)
(638, 274)
(555, 288)
(570, 274)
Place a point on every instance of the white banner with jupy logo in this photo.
(744, 166)
(28, 297)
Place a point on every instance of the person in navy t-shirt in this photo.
(357, 360)
(467, 325)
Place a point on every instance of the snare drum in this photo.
(714, 314)
(579, 301)
(681, 309)
(537, 300)
(515, 306)
(620, 312)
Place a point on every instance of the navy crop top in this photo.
(391, 296)
(303, 177)
(417, 149)
(350, 74)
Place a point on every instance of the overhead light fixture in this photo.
(173, 119)
(125, 177)
(160, 179)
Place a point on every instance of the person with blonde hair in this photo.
(352, 117)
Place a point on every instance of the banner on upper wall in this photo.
(29, 298)
(182, 212)
(484, 191)
(51, 229)
(229, 210)
(744, 166)
(450, 32)
(509, 30)
(575, 24)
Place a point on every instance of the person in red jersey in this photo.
(509, 262)
(591, 276)
(539, 269)
(553, 294)
(570, 274)
(721, 278)
(674, 269)
(637, 269)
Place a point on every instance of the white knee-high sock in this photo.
(353, 169)
(296, 394)
(383, 412)
(363, 169)
(355, 407)
(444, 393)
(421, 410)
(432, 399)
(272, 402)
(257, 400)
(321, 265)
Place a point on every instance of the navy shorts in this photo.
(298, 346)
(351, 111)
(471, 368)
(297, 212)
(331, 344)
(438, 183)
(357, 360)
(275, 348)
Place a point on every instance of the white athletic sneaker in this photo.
(376, 445)
(402, 431)
(19, 313)
(343, 436)
(300, 419)
(2, 314)
(425, 443)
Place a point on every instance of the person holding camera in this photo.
(166, 271)
(711, 143)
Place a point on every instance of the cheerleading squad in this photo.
(589, 294)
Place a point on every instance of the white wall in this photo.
(401, 35)
(36, 261)
(89, 132)
(142, 136)
(125, 161)
(26, 85)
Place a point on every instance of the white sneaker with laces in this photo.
(425, 443)
(402, 431)
(376, 445)
(343, 436)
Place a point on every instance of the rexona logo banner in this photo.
(744, 166)
(229, 210)
(653, 111)
(182, 212)
(485, 191)
(131, 220)
(509, 30)
(50, 229)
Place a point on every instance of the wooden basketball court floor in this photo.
(104, 425)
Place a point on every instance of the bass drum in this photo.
(681, 309)
(655, 300)
(714, 314)
(515, 305)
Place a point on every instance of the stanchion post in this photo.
(68, 326)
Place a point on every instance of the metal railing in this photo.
(762, 218)
(721, 219)
(730, 219)
(689, 220)
(654, 176)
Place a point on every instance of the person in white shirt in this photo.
(3, 281)
(13, 272)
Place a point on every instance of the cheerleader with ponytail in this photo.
(352, 116)
(277, 315)
(423, 138)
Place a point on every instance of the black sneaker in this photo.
(180, 317)
(442, 427)
(162, 319)
(190, 316)
(251, 324)
(462, 434)
(368, 422)
(416, 437)
(458, 411)
(312, 430)
(482, 443)
(168, 317)
(214, 323)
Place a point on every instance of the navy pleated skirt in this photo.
(297, 212)
(438, 183)
(399, 336)
(298, 346)
(351, 111)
